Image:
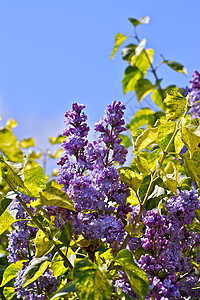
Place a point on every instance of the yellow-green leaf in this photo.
(143, 60)
(131, 76)
(42, 243)
(157, 99)
(142, 117)
(9, 145)
(119, 39)
(169, 175)
(192, 165)
(91, 283)
(35, 181)
(29, 142)
(175, 105)
(56, 197)
(165, 132)
(11, 123)
(130, 178)
(190, 134)
(148, 137)
(11, 272)
(56, 139)
(142, 88)
(6, 219)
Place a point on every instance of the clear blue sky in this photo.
(54, 53)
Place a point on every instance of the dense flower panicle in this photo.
(194, 90)
(92, 182)
(19, 238)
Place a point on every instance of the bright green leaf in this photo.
(165, 132)
(137, 277)
(10, 176)
(119, 39)
(178, 143)
(125, 140)
(169, 175)
(148, 137)
(42, 243)
(66, 234)
(175, 105)
(57, 264)
(192, 165)
(90, 282)
(56, 197)
(131, 76)
(9, 145)
(143, 20)
(11, 123)
(142, 88)
(68, 288)
(144, 187)
(6, 219)
(190, 133)
(143, 60)
(130, 178)
(157, 99)
(11, 272)
(35, 181)
(128, 52)
(7, 200)
(29, 142)
(176, 66)
(33, 155)
(36, 268)
(9, 292)
(56, 140)
(141, 118)
(142, 165)
(57, 153)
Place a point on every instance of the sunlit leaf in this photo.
(90, 282)
(143, 87)
(148, 137)
(130, 178)
(35, 181)
(9, 145)
(176, 66)
(131, 76)
(26, 143)
(56, 140)
(192, 165)
(169, 175)
(7, 219)
(11, 272)
(68, 288)
(143, 20)
(143, 60)
(125, 140)
(190, 134)
(137, 277)
(11, 123)
(175, 105)
(42, 243)
(119, 39)
(140, 118)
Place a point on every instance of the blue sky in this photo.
(54, 53)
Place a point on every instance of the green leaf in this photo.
(9, 145)
(9, 292)
(11, 123)
(32, 155)
(178, 143)
(175, 105)
(11, 272)
(144, 187)
(131, 76)
(42, 243)
(119, 39)
(9, 175)
(35, 181)
(7, 200)
(143, 20)
(57, 153)
(141, 118)
(66, 234)
(6, 220)
(176, 66)
(56, 197)
(142, 88)
(57, 264)
(90, 282)
(143, 60)
(68, 288)
(125, 140)
(165, 132)
(190, 133)
(148, 137)
(130, 178)
(195, 226)
(128, 52)
(36, 268)
(192, 165)
(169, 175)
(29, 142)
(157, 99)
(56, 140)
(137, 277)
(142, 165)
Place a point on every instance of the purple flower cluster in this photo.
(88, 175)
(194, 90)
(19, 238)
(167, 242)
(21, 248)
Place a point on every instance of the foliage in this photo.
(99, 229)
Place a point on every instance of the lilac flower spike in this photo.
(194, 90)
